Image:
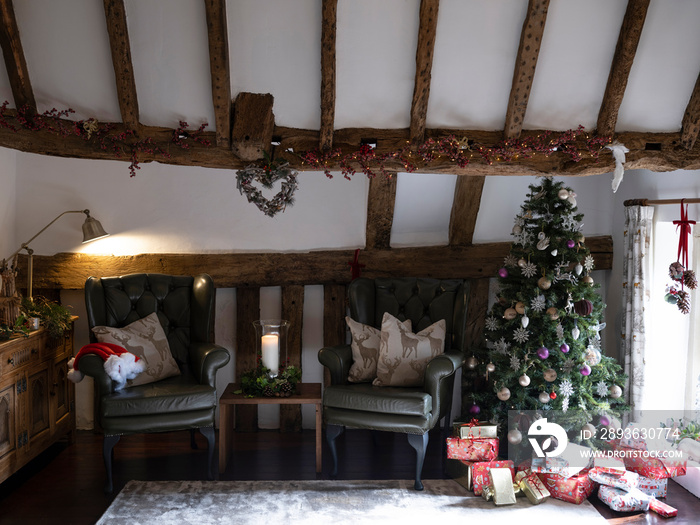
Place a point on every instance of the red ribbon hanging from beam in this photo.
(683, 228)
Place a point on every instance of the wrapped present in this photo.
(622, 500)
(574, 489)
(626, 480)
(460, 471)
(475, 429)
(502, 486)
(662, 509)
(608, 465)
(475, 449)
(653, 487)
(651, 466)
(532, 486)
(480, 473)
(555, 465)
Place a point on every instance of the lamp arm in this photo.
(25, 245)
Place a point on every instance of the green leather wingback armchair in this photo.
(185, 308)
(408, 410)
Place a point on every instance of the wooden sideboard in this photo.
(37, 400)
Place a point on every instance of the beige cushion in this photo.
(403, 355)
(146, 339)
(365, 350)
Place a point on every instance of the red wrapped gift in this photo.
(612, 466)
(646, 464)
(574, 489)
(475, 449)
(654, 487)
(622, 500)
(480, 473)
(663, 509)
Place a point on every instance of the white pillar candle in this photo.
(271, 353)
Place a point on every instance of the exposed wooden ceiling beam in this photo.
(465, 208)
(115, 15)
(664, 156)
(427, 31)
(70, 270)
(626, 48)
(329, 14)
(15, 63)
(219, 66)
(525, 65)
(691, 118)
(380, 212)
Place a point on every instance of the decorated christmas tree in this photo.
(543, 345)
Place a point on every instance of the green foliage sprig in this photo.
(55, 318)
(256, 383)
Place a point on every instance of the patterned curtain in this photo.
(636, 272)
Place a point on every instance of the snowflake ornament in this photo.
(567, 366)
(491, 323)
(569, 223)
(514, 363)
(502, 345)
(519, 220)
(560, 332)
(529, 270)
(566, 388)
(538, 303)
(588, 263)
(521, 335)
(565, 404)
(510, 260)
(601, 389)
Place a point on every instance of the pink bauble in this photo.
(570, 243)
(564, 348)
(474, 409)
(542, 352)
(604, 420)
(585, 370)
(503, 273)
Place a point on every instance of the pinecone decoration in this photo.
(268, 391)
(690, 280)
(683, 301)
(286, 389)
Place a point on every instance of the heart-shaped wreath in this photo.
(267, 176)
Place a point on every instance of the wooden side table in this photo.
(306, 393)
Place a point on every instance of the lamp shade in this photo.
(92, 230)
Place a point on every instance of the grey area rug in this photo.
(326, 502)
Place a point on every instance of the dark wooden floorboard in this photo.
(64, 485)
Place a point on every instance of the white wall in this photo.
(8, 242)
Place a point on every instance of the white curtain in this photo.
(635, 298)
(692, 398)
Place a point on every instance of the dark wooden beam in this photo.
(465, 208)
(253, 125)
(665, 156)
(380, 212)
(525, 65)
(70, 270)
(476, 313)
(626, 48)
(16, 66)
(691, 118)
(117, 28)
(292, 311)
(424, 64)
(329, 10)
(219, 65)
(247, 311)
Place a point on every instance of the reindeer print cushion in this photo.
(146, 339)
(365, 350)
(404, 355)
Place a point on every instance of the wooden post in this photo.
(333, 319)
(292, 311)
(247, 311)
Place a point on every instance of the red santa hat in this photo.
(120, 365)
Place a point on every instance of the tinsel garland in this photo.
(459, 151)
(121, 144)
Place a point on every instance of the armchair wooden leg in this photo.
(107, 454)
(208, 432)
(332, 432)
(420, 443)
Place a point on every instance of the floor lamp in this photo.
(92, 230)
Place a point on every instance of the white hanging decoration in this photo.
(618, 152)
(525, 320)
(578, 269)
(575, 332)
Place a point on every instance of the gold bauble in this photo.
(510, 314)
(544, 283)
(553, 313)
(504, 394)
(550, 375)
(588, 280)
(520, 307)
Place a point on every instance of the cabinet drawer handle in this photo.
(11, 361)
(34, 351)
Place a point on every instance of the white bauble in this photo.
(472, 362)
(554, 252)
(588, 431)
(514, 437)
(615, 391)
(614, 423)
(543, 397)
(504, 394)
(550, 375)
(490, 368)
(524, 380)
(563, 194)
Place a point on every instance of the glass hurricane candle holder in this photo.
(271, 342)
